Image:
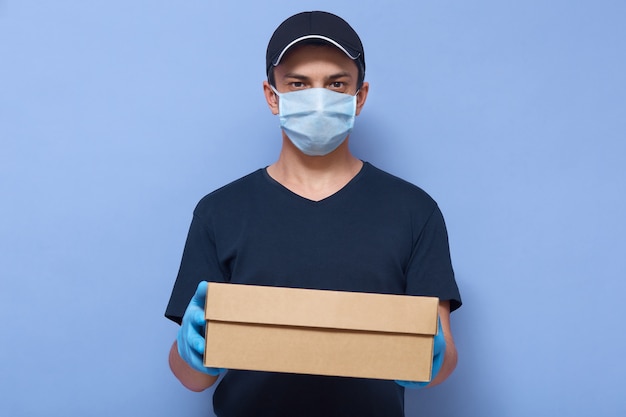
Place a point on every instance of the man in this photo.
(317, 218)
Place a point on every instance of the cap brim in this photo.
(349, 52)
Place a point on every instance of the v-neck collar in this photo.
(331, 197)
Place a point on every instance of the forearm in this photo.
(189, 377)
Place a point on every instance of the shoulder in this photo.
(231, 194)
(392, 187)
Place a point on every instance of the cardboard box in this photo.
(320, 332)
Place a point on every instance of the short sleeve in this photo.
(430, 271)
(199, 263)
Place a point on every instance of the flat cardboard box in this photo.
(320, 332)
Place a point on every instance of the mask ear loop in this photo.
(275, 91)
(277, 94)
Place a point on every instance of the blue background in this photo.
(116, 117)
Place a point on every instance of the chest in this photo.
(341, 248)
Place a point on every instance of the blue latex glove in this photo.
(190, 338)
(439, 350)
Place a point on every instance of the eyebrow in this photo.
(330, 77)
(340, 75)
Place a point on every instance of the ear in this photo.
(362, 96)
(270, 97)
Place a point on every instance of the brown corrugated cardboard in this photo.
(320, 332)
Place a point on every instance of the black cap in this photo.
(314, 25)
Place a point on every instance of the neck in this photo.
(314, 177)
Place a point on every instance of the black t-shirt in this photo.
(377, 234)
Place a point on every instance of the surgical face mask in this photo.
(316, 120)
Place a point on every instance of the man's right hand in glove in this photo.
(190, 345)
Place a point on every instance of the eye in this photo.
(337, 85)
(297, 84)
